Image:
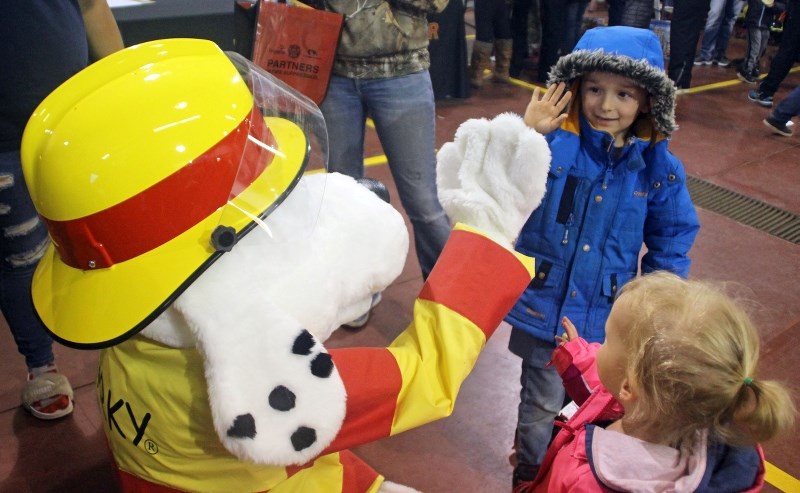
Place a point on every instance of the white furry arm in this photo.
(493, 175)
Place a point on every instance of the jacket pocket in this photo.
(567, 202)
(612, 283)
(599, 311)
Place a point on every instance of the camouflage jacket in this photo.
(382, 38)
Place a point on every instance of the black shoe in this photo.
(746, 77)
(721, 61)
(523, 473)
(777, 127)
(759, 97)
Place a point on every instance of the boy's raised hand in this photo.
(545, 111)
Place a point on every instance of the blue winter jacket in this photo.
(588, 233)
(603, 204)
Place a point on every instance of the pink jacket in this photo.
(585, 457)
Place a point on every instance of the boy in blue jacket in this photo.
(613, 187)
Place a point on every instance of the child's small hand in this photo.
(544, 114)
(570, 332)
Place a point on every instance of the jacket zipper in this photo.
(570, 220)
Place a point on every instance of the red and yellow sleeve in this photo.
(417, 378)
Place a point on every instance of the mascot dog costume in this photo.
(195, 243)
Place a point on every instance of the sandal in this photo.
(47, 394)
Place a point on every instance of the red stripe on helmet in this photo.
(163, 211)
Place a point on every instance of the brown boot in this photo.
(502, 59)
(481, 59)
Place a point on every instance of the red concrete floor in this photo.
(721, 139)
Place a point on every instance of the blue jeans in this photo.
(541, 399)
(23, 242)
(789, 107)
(719, 25)
(403, 111)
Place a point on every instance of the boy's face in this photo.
(612, 103)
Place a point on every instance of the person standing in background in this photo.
(688, 19)
(785, 111)
(42, 43)
(719, 26)
(561, 27)
(760, 14)
(492, 32)
(381, 71)
(787, 54)
(523, 13)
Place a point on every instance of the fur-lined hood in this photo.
(627, 51)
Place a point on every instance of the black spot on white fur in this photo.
(244, 426)
(303, 343)
(303, 438)
(322, 365)
(282, 399)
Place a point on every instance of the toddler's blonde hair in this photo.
(693, 359)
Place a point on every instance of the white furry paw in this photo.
(276, 397)
(493, 175)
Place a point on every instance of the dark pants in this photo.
(573, 24)
(688, 20)
(520, 10)
(787, 51)
(615, 10)
(553, 26)
(561, 22)
(561, 25)
(491, 20)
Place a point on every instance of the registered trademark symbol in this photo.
(151, 447)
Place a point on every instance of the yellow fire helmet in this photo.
(146, 167)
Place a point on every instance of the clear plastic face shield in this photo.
(286, 140)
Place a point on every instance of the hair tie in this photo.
(748, 381)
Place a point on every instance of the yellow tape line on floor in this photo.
(781, 479)
(375, 160)
(726, 83)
